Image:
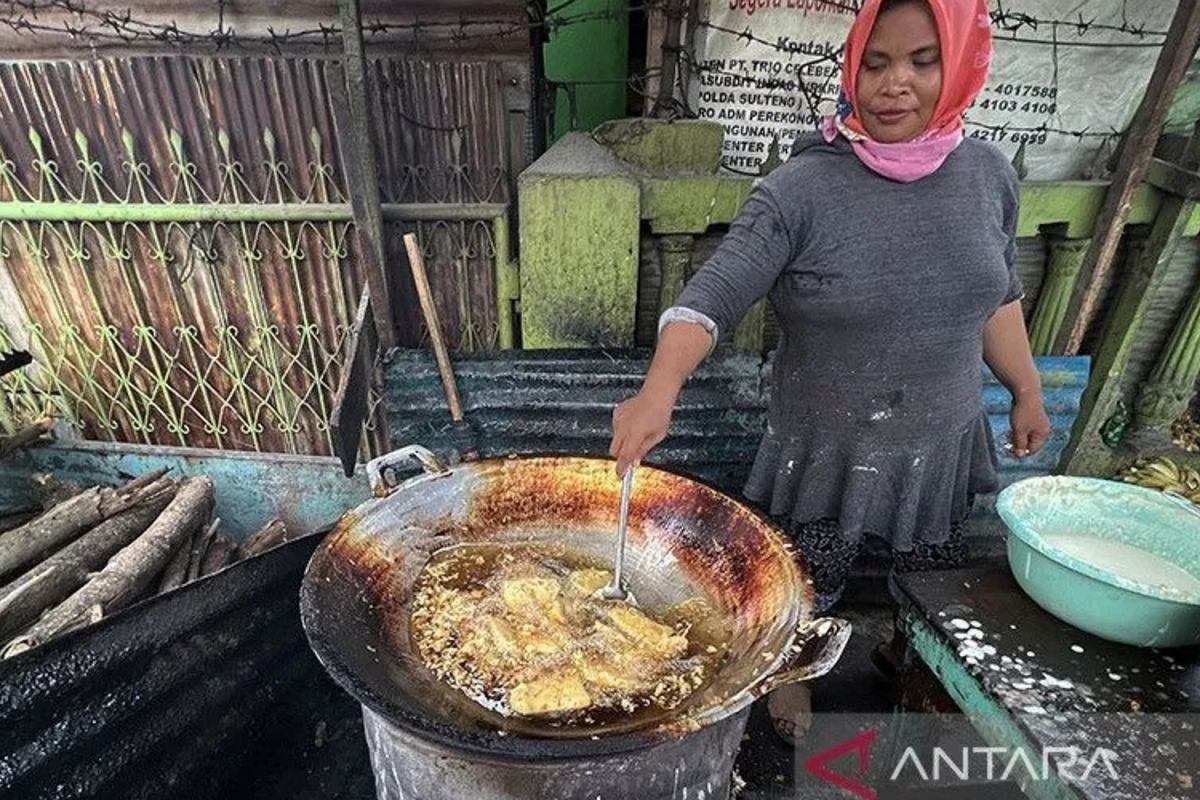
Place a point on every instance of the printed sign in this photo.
(1066, 76)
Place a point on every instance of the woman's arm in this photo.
(760, 243)
(1006, 351)
(641, 422)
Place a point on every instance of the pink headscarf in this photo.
(965, 37)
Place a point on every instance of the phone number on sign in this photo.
(1002, 135)
(1027, 107)
(1023, 90)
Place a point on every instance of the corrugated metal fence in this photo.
(176, 239)
(561, 402)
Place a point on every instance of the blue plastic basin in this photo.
(1102, 600)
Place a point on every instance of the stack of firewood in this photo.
(103, 548)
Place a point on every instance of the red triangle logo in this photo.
(818, 765)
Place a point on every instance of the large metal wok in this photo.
(685, 540)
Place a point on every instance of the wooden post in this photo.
(1137, 148)
(656, 29)
(690, 30)
(358, 163)
(542, 107)
(1086, 453)
(508, 285)
(351, 402)
(664, 105)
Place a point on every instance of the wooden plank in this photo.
(1015, 706)
(1173, 179)
(13, 361)
(416, 262)
(349, 103)
(1087, 453)
(656, 28)
(989, 718)
(1137, 148)
(351, 402)
(664, 105)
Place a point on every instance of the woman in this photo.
(886, 245)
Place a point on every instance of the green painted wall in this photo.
(594, 52)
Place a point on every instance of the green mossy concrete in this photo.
(692, 204)
(1072, 207)
(580, 223)
(583, 204)
(662, 146)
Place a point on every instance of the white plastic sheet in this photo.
(1066, 76)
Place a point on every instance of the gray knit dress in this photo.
(882, 290)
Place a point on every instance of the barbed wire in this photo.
(97, 26)
(93, 24)
(1015, 21)
(637, 83)
(1056, 43)
(1085, 133)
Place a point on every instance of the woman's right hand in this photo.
(639, 424)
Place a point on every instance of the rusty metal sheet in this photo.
(164, 696)
(561, 402)
(231, 333)
(489, 28)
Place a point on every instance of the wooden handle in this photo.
(417, 262)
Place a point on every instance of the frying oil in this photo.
(460, 595)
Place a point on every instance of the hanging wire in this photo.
(90, 24)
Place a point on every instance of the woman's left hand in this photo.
(1030, 426)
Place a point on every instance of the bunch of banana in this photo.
(1185, 434)
(1165, 475)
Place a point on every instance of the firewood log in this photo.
(128, 572)
(262, 540)
(142, 481)
(16, 519)
(176, 572)
(40, 537)
(25, 436)
(50, 582)
(222, 551)
(50, 490)
(199, 548)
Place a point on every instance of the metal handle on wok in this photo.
(378, 468)
(816, 649)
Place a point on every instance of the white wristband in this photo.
(683, 314)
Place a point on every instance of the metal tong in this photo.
(615, 591)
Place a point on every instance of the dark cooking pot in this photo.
(685, 539)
